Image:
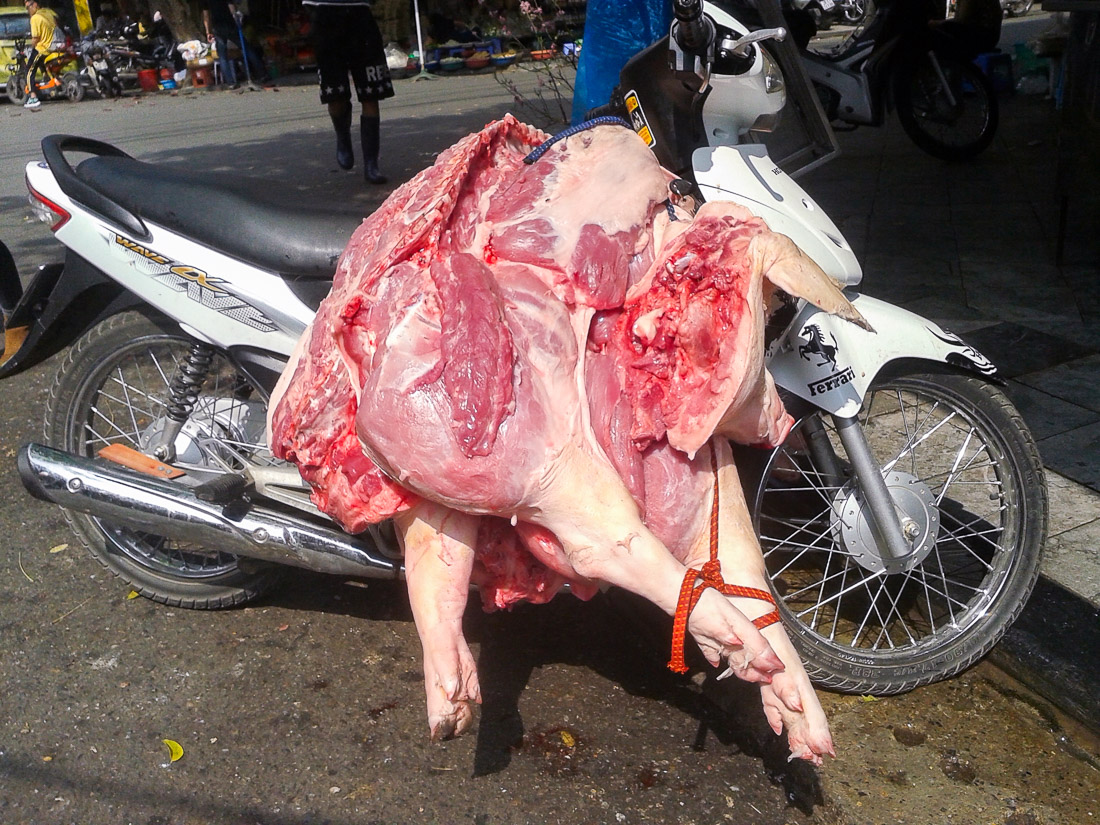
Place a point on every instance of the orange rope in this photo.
(711, 575)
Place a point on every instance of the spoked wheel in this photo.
(966, 479)
(72, 87)
(853, 11)
(113, 388)
(947, 106)
(17, 88)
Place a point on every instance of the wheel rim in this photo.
(122, 401)
(17, 88)
(923, 431)
(959, 124)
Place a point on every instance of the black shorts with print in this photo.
(347, 41)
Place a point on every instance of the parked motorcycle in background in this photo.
(901, 522)
(822, 13)
(945, 103)
(1016, 8)
(99, 68)
(133, 53)
(852, 12)
(59, 78)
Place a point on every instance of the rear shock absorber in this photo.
(183, 393)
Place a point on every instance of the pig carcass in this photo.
(533, 369)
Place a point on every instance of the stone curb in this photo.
(1054, 649)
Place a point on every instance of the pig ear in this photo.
(783, 264)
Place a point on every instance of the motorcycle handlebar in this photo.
(693, 31)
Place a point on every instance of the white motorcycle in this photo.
(902, 520)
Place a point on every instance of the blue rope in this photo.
(605, 120)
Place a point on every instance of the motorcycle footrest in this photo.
(222, 489)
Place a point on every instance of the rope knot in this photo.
(711, 575)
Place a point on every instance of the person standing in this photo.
(347, 41)
(43, 28)
(222, 20)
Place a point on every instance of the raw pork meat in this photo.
(547, 347)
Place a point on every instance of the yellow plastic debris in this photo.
(175, 750)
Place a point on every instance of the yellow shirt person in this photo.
(43, 27)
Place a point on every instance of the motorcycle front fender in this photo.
(831, 363)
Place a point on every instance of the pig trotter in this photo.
(439, 553)
(788, 697)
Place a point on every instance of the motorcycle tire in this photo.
(72, 88)
(16, 88)
(112, 387)
(950, 131)
(961, 464)
(853, 12)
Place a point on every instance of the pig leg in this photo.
(439, 556)
(586, 505)
(790, 701)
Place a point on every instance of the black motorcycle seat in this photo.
(293, 241)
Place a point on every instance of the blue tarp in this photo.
(614, 31)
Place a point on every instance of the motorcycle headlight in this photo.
(773, 75)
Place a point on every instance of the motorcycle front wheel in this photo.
(17, 88)
(947, 106)
(853, 11)
(72, 87)
(113, 388)
(966, 479)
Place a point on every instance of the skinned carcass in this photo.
(541, 363)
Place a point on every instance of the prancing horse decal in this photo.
(817, 346)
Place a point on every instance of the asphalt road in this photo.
(307, 707)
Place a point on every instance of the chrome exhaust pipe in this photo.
(153, 505)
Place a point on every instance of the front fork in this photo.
(891, 528)
(942, 78)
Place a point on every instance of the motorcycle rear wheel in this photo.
(112, 387)
(954, 131)
(960, 461)
(16, 89)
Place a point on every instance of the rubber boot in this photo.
(345, 156)
(368, 131)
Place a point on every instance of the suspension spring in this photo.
(188, 381)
